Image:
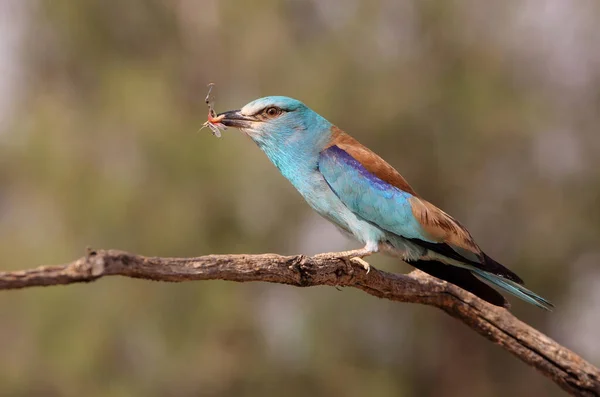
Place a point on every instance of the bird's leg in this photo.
(355, 256)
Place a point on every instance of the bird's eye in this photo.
(272, 111)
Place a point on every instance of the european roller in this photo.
(367, 198)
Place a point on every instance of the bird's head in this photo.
(278, 120)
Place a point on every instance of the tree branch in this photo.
(568, 370)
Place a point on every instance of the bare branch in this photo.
(567, 369)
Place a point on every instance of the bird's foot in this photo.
(362, 262)
(354, 256)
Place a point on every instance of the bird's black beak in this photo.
(234, 118)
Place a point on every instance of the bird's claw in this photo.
(361, 262)
(349, 257)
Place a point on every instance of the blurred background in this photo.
(490, 109)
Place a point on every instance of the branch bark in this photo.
(567, 369)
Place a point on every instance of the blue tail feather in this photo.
(513, 288)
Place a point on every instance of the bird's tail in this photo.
(513, 288)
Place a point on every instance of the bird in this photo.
(366, 198)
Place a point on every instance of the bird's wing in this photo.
(375, 191)
(371, 161)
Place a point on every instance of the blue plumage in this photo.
(363, 195)
(515, 289)
(368, 196)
